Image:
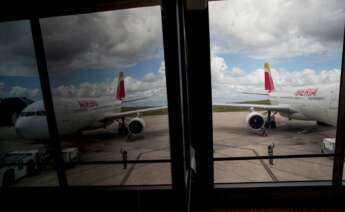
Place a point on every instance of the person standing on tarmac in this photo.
(270, 153)
(263, 131)
(124, 157)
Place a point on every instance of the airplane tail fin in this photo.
(120, 92)
(269, 85)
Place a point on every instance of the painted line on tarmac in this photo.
(125, 178)
(267, 168)
(131, 169)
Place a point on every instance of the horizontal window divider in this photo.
(91, 162)
(280, 184)
(276, 157)
(56, 9)
(93, 188)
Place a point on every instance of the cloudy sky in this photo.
(302, 40)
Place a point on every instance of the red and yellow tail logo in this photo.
(269, 86)
(120, 92)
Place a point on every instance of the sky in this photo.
(302, 41)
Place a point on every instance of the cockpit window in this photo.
(41, 113)
(36, 113)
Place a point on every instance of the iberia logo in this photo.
(87, 103)
(306, 92)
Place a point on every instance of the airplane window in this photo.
(273, 69)
(107, 75)
(20, 141)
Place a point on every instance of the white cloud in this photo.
(228, 82)
(25, 92)
(85, 89)
(152, 86)
(276, 29)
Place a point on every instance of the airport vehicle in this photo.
(77, 114)
(70, 154)
(318, 103)
(328, 145)
(12, 173)
(10, 108)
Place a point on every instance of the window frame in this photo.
(182, 52)
(178, 171)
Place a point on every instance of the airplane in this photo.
(318, 103)
(77, 115)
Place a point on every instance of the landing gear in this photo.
(123, 130)
(270, 121)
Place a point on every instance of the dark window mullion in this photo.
(200, 97)
(172, 56)
(54, 142)
(275, 157)
(340, 136)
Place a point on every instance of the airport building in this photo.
(173, 105)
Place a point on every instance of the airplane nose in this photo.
(32, 128)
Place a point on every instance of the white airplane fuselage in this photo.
(319, 103)
(72, 116)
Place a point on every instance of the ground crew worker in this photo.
(270, 153)
(263, 131)
(124, 158)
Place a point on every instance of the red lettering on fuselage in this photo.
(87, 103)
(306, 92)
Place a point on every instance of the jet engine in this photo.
(255, 120)
(136, 126)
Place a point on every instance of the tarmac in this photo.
(232, 138)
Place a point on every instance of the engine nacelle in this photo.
(136, 126)
(255, 120)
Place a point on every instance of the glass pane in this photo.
(297, 169)
(133, 174)
(107, 77)
(275, 75)
(20, 105)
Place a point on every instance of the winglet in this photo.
(120, 92)
(269, 86)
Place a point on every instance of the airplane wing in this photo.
(115, 116)
(277, 108)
